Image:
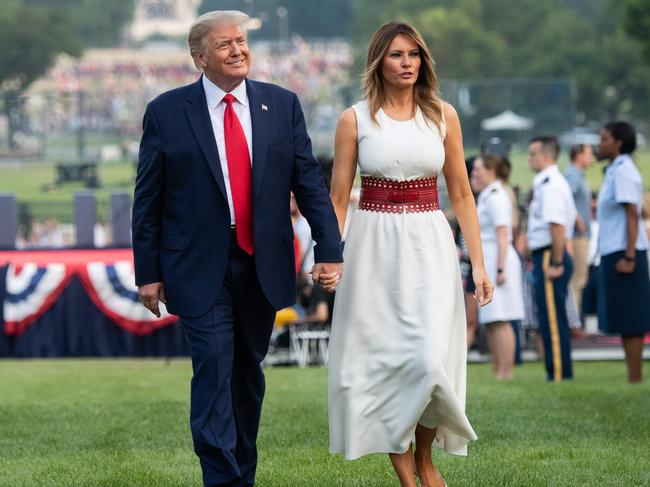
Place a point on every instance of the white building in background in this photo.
(164, 17)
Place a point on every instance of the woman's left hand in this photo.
(625, 266)
(484, 287)
(501, 278)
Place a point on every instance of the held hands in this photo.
(327, 275)
(484, 287)
(150, 294)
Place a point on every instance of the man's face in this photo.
(537, 159)
(225, 58)
(585, 158)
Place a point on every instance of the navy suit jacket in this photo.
(181, 219)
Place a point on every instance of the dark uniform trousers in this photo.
(227, 345)
(550, 300)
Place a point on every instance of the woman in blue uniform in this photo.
(624, 286)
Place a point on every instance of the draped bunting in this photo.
(30, 291)
(31, 288)
(111, 287)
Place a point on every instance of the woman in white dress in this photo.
(397, 369)
(502, 263)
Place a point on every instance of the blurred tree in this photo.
(316, 19)
(34, 32)
(458, 42)
(581, 39)
(96, 23)
(637, 23)
(31, 37)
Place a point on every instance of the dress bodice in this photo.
(399, 150)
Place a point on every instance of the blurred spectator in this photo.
(471, 307)
(495, 214)
(581, 156)
(305, 247)
(319, 306)
(116, 84)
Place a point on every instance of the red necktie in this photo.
(239, 170)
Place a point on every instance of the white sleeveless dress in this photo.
(398, 341)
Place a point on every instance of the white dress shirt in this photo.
(552, 203)
(622, 184)
(216, 107)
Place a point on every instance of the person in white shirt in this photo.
(623, 284)
(551, 221)
(502, 263)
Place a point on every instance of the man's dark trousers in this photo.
(550, 299)
(227, 345)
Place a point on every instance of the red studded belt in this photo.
(390, 196)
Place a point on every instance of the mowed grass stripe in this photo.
(125, 423)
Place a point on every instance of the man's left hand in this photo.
(327, 275)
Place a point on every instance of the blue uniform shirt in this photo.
(581, 196)
(622, 184)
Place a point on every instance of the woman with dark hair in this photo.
(502, 263)
(624, 285)
(397, 367)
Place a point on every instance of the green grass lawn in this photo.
(125, 423)
(33, 184)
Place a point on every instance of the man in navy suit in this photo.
(212, 234)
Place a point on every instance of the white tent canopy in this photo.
(507, 120)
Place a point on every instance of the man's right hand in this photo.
(150, 294)
(581, 226)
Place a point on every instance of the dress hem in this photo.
(357, 456)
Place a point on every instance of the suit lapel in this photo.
(199, 118)
(260, 115)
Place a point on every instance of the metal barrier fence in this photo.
(59, 224)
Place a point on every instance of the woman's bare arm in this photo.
(462, 201)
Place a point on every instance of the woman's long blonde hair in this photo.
(426, 93)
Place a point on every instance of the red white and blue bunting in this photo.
(32, 288)
(30, 291)
(112, 288)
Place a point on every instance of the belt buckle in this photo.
(403, 196)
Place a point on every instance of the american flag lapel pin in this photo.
(265, 108)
